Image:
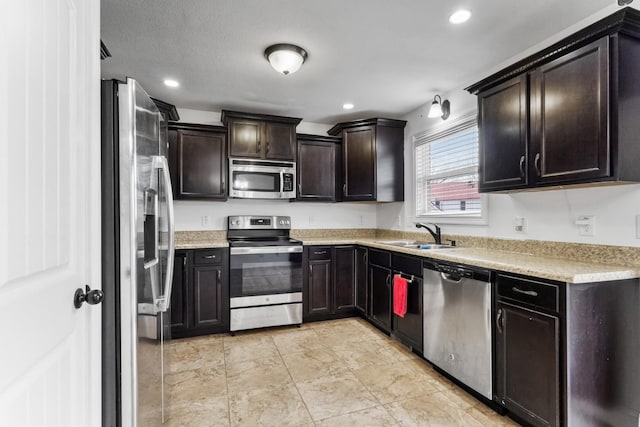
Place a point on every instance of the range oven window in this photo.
(265, 274)
(255, 181)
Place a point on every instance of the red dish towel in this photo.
(400, 295)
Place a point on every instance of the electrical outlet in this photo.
(204, 220)
(586, 225)
(519, 224)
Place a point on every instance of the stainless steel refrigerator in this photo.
(138, 252)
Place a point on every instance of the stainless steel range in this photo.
(265, 282)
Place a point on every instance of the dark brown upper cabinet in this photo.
(261, 136)
(566, 115)
(502, 116)
(317, 168)
(372, 159)
(198, 161)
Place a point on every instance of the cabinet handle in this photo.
(388, 281)
(219, 274)
(209, 257)
(522, 291)
(319, 252)
(522, 167)
(499, 318)
(222, 186)
(310, 270)
(258, 146)
(365, 257)
(299, 188)
(184, 261)
(344, 189)
(267, 147)
(536, 164)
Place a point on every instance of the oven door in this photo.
(265, 270)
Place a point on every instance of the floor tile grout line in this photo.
(295, 384)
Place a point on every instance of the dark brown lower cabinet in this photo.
(528, 350)
(408, 329)
(329, 282)
(200, 295)
(179, 297)
(361, 275)
(380, 276)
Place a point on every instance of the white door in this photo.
(49, 212)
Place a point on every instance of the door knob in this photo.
(91, 297)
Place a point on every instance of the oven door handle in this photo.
(266, 250)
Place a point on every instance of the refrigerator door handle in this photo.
(151, 232)
(162, 303)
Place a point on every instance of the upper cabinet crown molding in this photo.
(229, 114)
(337, 129)
(625, 21)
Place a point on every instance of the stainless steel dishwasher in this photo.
(457, 323)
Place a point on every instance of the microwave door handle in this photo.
(163, 301)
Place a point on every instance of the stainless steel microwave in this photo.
(262, 179)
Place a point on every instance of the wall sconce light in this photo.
(285, 58)
(440, 108)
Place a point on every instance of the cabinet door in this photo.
(245, 138)
(201, 165)
(319, 288)
(380, 280)
(180, 319)
(343, 279)
(316, 171)
(280, 141)
(361, 281)
(359, 163)
(208, 298)
(569, 113)
(527, 363)
(502, 127)
(409, 328)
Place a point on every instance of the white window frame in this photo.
(462, 123)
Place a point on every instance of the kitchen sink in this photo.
(413, 244)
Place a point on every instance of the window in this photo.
(446, 166)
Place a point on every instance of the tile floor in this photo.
(336, 373)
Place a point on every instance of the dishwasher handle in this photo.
(449, 277)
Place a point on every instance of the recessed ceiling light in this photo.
(460, 16)
(171, 83)
(347, 106)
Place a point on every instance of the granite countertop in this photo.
(559, 269)
(519, 262)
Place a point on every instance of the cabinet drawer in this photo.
(380, 258)
(407, 264)
(538, 294)
(319, 252)
(207, 256)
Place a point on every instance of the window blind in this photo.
(447, 172)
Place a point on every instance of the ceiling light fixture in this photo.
(439, 108)
(460, 16)
(347, 106)
(285, 58)
(171, 83)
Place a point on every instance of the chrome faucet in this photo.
(436, 234)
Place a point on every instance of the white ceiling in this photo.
(387, 57)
